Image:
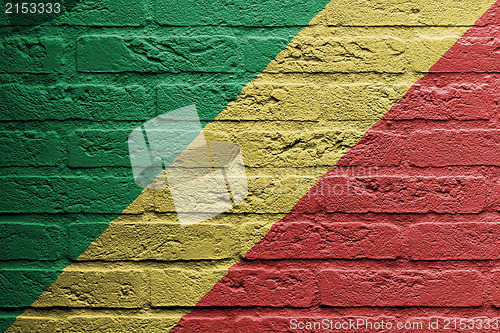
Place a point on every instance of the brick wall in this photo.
(343, 88)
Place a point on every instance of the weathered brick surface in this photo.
(308, 240)
(32, 148)
(35, 278)
(406, 288)
(381, 54)
(416, 235)
(209, 99)
(168, 287)
(457, 241)
(95, 102)
(117, 288)
(396, 194)
(403, 227)
(377, 149)
(96, 53)
(269, 101)
(161, 241)
(32, 55)
(441, 148)
(479, 57)
(252, 13)
(245, 287)
(422, 63)
(99, 323)
(280, 148)
(347, 102)
(106, 13)
(208, 324)
(257, 55)
(462, 97)
(495, 281)
(98, 148)
(398, 13)
(32, 241)
(39, 324)
(89, 195)
(263, 287)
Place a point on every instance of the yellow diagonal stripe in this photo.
(315, 101)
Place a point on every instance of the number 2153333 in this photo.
(33, 8)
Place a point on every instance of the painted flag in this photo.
(333, 105)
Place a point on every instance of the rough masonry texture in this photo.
(370, 136)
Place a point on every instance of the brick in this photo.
(398, 194)
(305, 240)
(400, 13)
(210, 99)
(30, 148)
(120, 323)
(105, 13)
(32, 241)
(350, 102)
(37, 324)
(13, 282)
(296, 148)
(440, 148)
(423, 50)
(75, 101)
(376, 149)
(263, 287)
(251, 13)
(31, 55)
(449, 96)
(307, 54)
(260, 51)
(471, 54)
(82, 235)
(495, 282)
(262, 324)
(453, 241)
(252, 233)
(276, 195)
(155, 55)
(275, 101)
(147, 201)
(181, 287)
(90, 288)
(158, 241)
(458, 288)
(87, 195)
(86, 321)
(99, 148)
(206, 324)
(162, 202)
